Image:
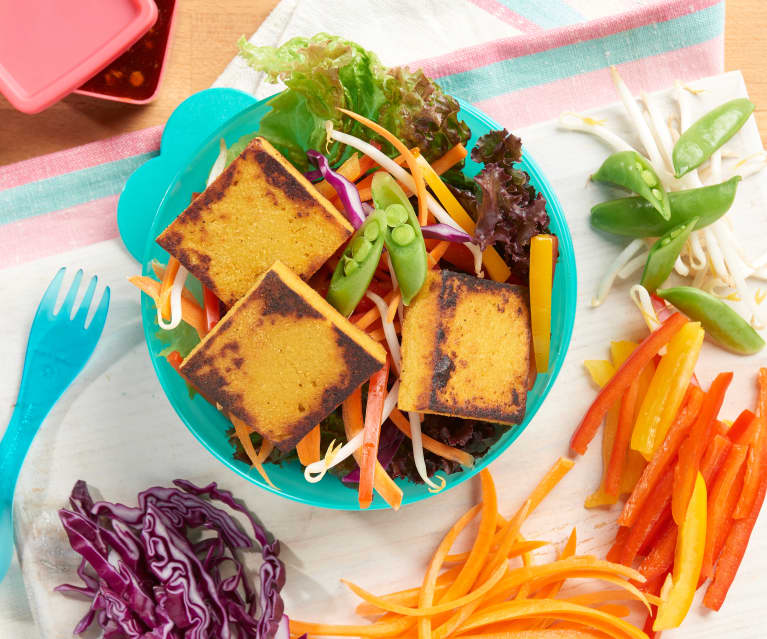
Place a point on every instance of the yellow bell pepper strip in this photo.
(497, 269)
(667, 389)
(679, 590)
(542, 255)
(631, 368)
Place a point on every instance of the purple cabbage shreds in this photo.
(150, 574)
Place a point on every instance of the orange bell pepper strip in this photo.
(542, 256)
(667, 389)
(663, 457)
(309, 448)
(722, 499)
(212, 307)
(371, 434)
(630, 369)
(384, 485)
(678, 592)
(692, 449)
(622, 438)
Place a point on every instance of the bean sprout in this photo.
(576, 122)
(389, 332)
(219, 165)
(641, 297)
(420, 462)
(633, 266)
(618, 264)
(660, 131)
(175, 301)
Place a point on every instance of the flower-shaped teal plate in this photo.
(159, 190)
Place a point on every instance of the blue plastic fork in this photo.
(59, 346)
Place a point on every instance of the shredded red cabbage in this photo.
(444, 232)
(347, 192)
(388, 444)
(149, 577)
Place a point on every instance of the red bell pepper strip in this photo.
(692, 449)
(622, 439)
(174, 359)
(372, 431)
(663, 457)
(627, 373)
(750, 484)
(660, 559)
(212, 307)
(722, 498)
(614, 554)
(655, 513)
(741, 427)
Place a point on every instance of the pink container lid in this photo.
(50, 47)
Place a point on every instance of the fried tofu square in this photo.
(466, 349)
(259, 210)
(282, 359)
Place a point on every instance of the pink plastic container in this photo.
(135, 76)
(50, 47)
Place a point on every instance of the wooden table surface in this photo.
(199, 53)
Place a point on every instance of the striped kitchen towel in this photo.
(521, 61)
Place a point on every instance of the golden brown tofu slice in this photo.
(466, 349)
(282, 358)
(259, 210)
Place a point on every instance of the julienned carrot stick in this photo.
(243, 435)
(432, 445)
(352, 169)
(691, 450)
(191, 311)
(371, 434)
(663, 457)
(372, 315)
(554, 475)
(415, 169)
(308, 448)
(453, 156)
(391, 308)
(622, 438)
(630, 370)
(426, 594)
(384, 485)
(435, 255)
(163, 297)
(722, 499)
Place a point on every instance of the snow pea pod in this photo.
(721, 322)
(709, 133)
(402, 235)
(633, 172)
(357, 265)
(636, 217)
(663, 254)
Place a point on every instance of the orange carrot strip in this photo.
(622, 439)
(389, 628)
(391, 309)
(308, 448)
(554, 475)
(243, 434)
(372, 315)
(384, 485)
(432, 445)
(415, 169)
(450, 159)
(159, 272)
(191, 311)
(352, 169)
(630, 369)
(663, 457)
(435, 255)
(429, 611)
(722, 499)
(517, 549)
(372, 433)
(163, 298)
(692, 449)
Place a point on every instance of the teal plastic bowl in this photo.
(183, 171)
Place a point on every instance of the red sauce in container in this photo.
(135, 75)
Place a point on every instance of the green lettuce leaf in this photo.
(326, 72)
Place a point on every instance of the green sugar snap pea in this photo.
(636, 217)
(633, 172)
(663, 254)
(698, 143)
(402, 235)
(357, 265)
(721, 322)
